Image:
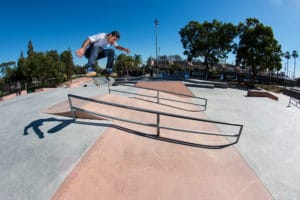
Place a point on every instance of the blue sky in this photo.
(59, 25)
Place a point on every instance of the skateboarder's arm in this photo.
(85, 44)
(123, 49)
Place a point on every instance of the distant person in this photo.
(95, 47)
(18, 88)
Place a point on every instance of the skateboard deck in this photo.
(110, 80)
(103, 81)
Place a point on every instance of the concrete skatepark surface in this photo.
(57, 153)
(270, 140)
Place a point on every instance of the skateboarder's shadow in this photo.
(62, 123)
(37, 125)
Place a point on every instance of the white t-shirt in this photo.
(100, 40)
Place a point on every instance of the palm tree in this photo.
(137, 60)
(287, 55)
(294, 55)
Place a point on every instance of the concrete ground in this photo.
(270, 139)
(39, 150)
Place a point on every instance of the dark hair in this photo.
(115, 34)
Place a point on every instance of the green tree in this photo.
(67, 59)
(287, 56)
(137, 60)
(54, 68)
(211, 41)
(257, 47)
(30, 50)
(21, 68)
(124, 63)
(272, 60)
(4, 67)
(149, 65)
(36, 66)
(8, 70)
(79, 69)
(295, 56)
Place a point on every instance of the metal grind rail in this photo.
(158, 115)
(204, 105)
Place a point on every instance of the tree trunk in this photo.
(253, 77)
(206, 69)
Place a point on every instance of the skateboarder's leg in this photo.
(109, 53)
(91, 54)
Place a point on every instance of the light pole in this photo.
(156, 22)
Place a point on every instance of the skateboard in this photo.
(103, 81)
(110, 80)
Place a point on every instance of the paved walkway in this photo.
(51, 151)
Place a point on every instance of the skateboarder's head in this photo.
(115, 34)
(113, 37)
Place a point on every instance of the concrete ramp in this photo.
(167, 86)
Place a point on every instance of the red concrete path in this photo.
(124, 165)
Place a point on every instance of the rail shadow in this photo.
(171, 140)
(63, 123)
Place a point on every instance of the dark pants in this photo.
(95, 53)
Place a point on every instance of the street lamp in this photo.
(156, 22)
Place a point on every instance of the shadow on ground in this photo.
(62, 123)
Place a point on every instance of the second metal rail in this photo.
(158, 97)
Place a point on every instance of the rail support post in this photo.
(71, 107)
(157, 124)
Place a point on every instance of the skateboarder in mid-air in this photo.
(95, 47)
